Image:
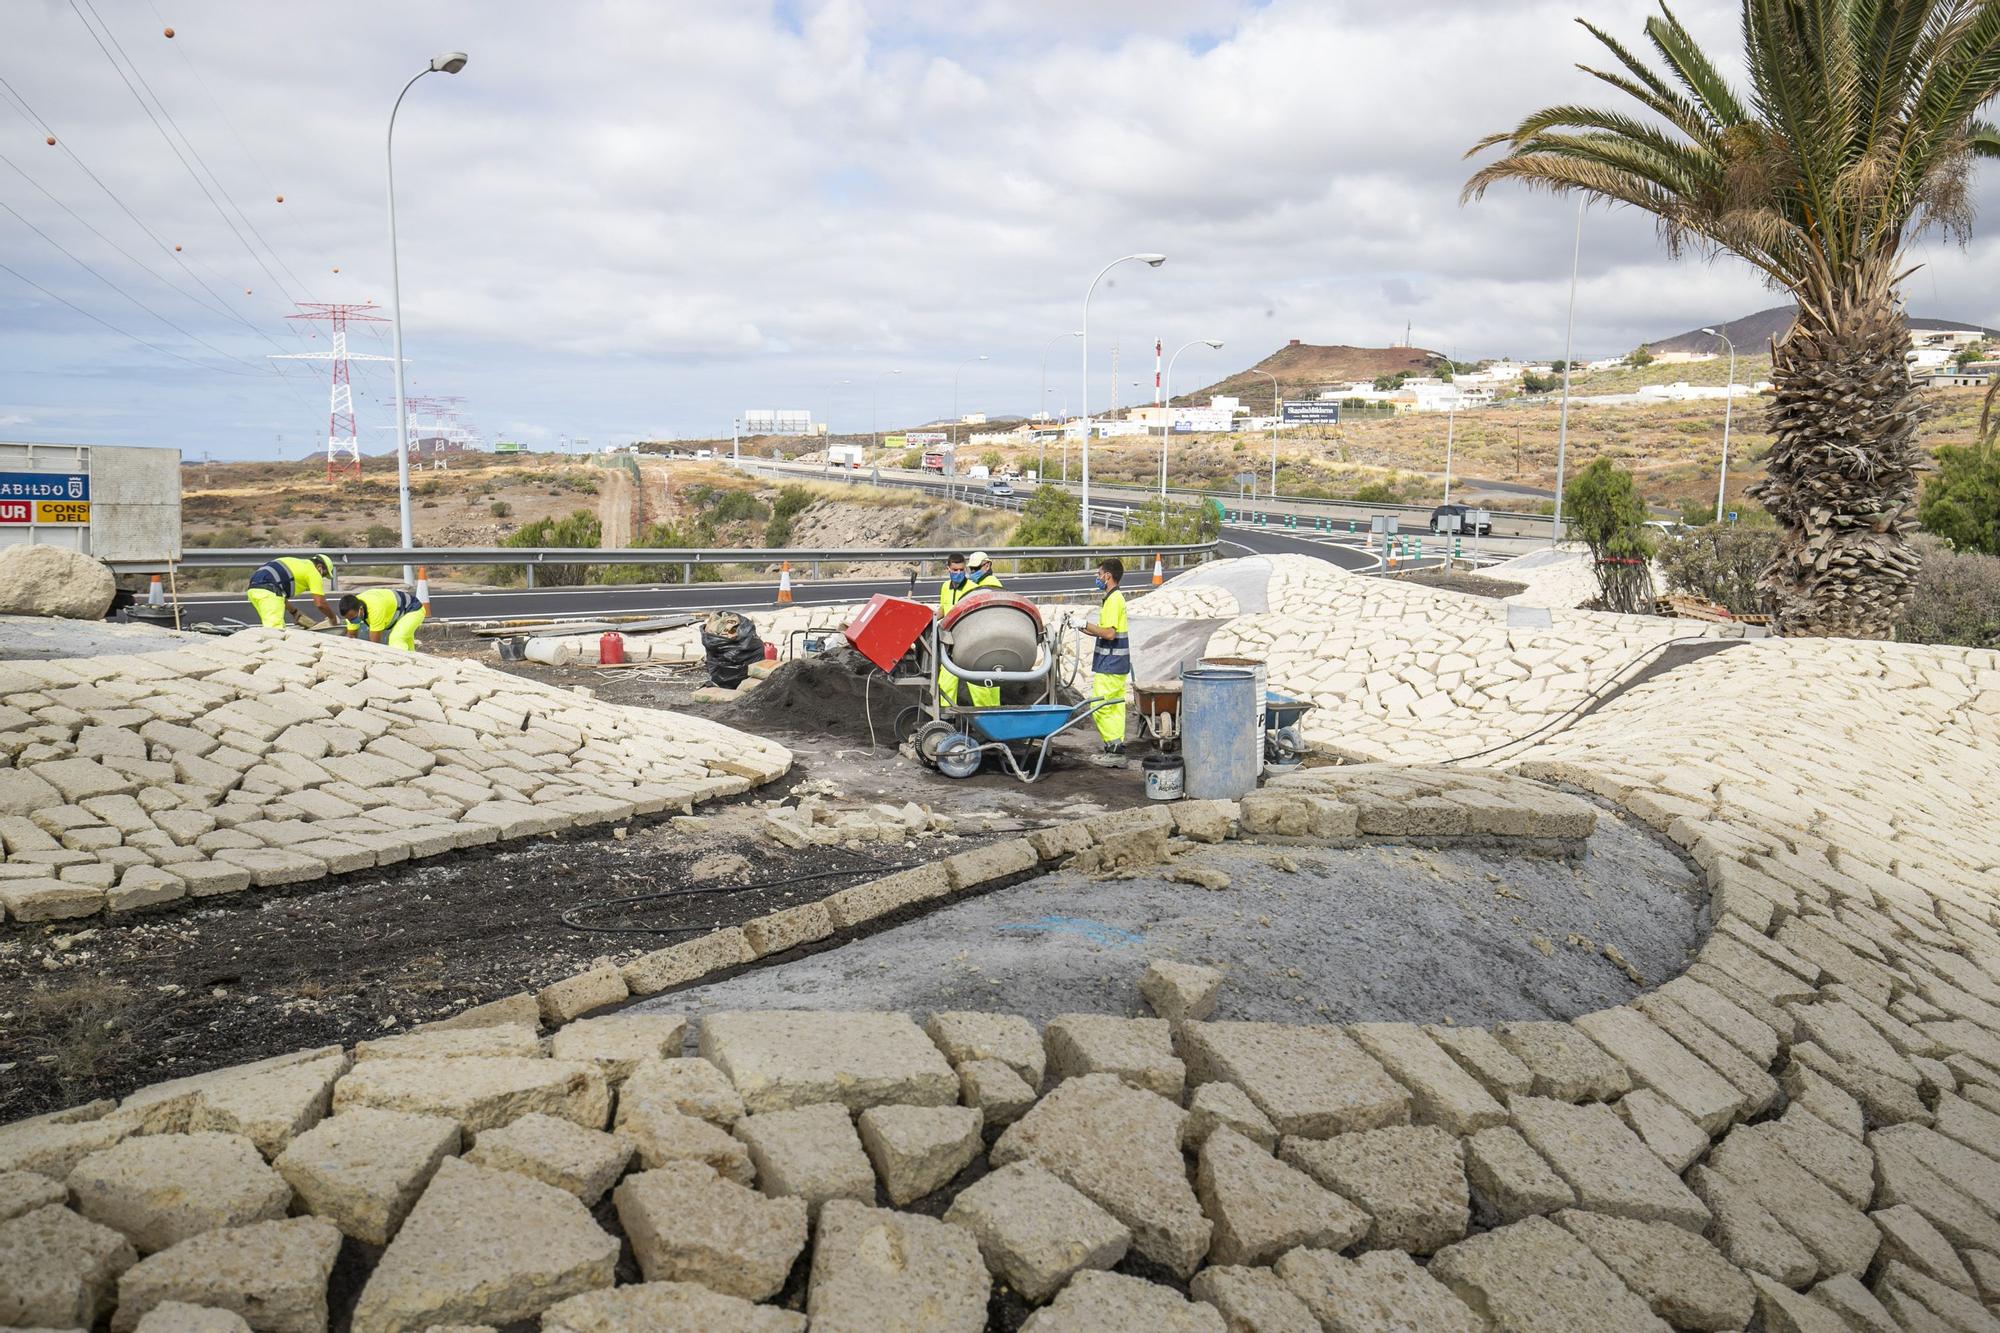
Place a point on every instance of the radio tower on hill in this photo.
(343, 445)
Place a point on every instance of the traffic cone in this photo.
(423, 588)
(1159, 572)
(156, 595)
(785, 584)
(1392, 555)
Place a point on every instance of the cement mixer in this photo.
(990, 638)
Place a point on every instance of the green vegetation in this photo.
(1639, 357)
(912, 459)
(1957, 599)
(1388, 383)
(1719, 563)
(580, 529)
(1050, 518)
(500, 509)
(1859, 135)
(1171, 523)
(1961, 500)
(791, 501)
(1605, 513)
(992, 460)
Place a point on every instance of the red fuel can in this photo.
(611, 650)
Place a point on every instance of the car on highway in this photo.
(1463, 513)
(999, 486)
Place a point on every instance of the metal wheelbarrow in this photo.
(1000, 732)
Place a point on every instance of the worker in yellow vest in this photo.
(277, 582)
(1110, 663)
(384, 612)
(949, 591)
(979, 578)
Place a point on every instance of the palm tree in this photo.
(1857, 134)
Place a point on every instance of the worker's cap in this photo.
(978, 558)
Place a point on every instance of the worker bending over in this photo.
(384, 611)
(960, 583)
(1110, 663)
(277, 582)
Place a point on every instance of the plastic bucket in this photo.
(1257, 668)
(510, 647)
(1220, 743)
(1163, 777)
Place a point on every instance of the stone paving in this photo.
(1802, 1131)
(272, 758)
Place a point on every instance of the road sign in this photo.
(44, 511)
(1313, 409)
(44, 486)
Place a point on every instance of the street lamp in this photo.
(1450, 417)
(874, 399)
(1042, 406)
(1569, 354)
(1277, 410)
(1728, 404)
(1165, 426)
(954, 392)
(1150, 261)
(451, 62)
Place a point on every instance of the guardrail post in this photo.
(687, 573)
(531, 575)
(815, 571)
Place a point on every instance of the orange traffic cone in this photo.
(1392, 555)
(423, 587)
(156, 595)
(785, 584)
(1159, 571)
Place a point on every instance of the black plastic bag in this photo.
(730, 646)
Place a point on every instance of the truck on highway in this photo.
(844, 455)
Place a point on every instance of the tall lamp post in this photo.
(874, 401)
(1728, 404)
(1042, 406)
(1150, 261)
(954, 392)
(1277, 411)
(1450, 418)
(451, 62)
(1569, 355)
(1166, 427)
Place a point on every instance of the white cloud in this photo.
(626, 216)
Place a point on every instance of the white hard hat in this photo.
(978, 558)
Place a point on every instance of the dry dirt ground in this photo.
(93, 1011)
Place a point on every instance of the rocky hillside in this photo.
(1302, 370)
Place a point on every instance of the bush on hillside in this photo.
(1606, 514)
(1172, 523)
(1719, 563)
(1050, 518)
(580, 529)
(1961, 500)
(1957, 598)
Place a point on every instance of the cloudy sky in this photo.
(638, 218)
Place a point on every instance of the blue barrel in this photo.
(1220, 743)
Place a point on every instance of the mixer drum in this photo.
(993, 631)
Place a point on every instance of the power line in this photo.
(164, 351)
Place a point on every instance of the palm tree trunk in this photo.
(1842, 477)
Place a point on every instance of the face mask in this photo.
(1102, 586)
(958, 578)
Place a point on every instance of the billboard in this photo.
(507, 447)
(1314, 410)
(926, 437)
(44, 497)
(764, 421)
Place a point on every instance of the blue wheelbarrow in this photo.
(1012, 734)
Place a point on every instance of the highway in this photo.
(597, 601)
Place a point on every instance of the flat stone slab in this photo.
(779, 1059)
(918, 1149)
(1253, 1299)
(1534, 1274)
(1608, 1167)
(1410, 1181)
(484, 1247)
(1680, 1275)
(1839, 1235)
(1382, 1290)
(687, 1224)
(1564, 1064)
(1311, 1081)
(1217, 1105)
(1138, 1050)
(665, 1307)
(1509, 1179)
(660, 1136)
(579, 1161)
(618, 1043)
(480, 1092)
(57, 1269)
(164, 1188)
(25, 1191)
(811, 1152)
(689, 1086)
(1122, 1148)
(273, 1272)
(179, 1317)
(964, 1035)
(1261, 1207)
(1113, 1303)
(875, 1270)
(364, 1170)
(1035, 1231)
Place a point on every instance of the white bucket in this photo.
(1164, 777)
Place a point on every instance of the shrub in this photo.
(1961, 500)
(1379, 493)
(1172, 523)
(321, 536)
(1605, 513)
(580, 529)
(1957, 598)
(1050, 518)
(991, 460)
(381, 534)
(1720, 563)
(500, 509)
(914, 458)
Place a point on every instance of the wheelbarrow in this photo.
(1014, 735)
(1159, 707)
(1284, 742)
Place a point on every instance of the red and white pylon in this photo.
(156, 595)
(785, 584)
(1159, 571)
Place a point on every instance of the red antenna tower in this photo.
(343, 445)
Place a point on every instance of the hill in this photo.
(1302, 370)
(1755, 332)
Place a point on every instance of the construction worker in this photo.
(980, 578)
(949, 591)
(1110, 663)
(384, 611)
(277, 582)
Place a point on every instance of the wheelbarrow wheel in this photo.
(927, 739)
(958, 756)
(907, 722)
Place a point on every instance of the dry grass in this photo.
(88, 1025)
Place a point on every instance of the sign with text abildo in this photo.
(44, 497)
